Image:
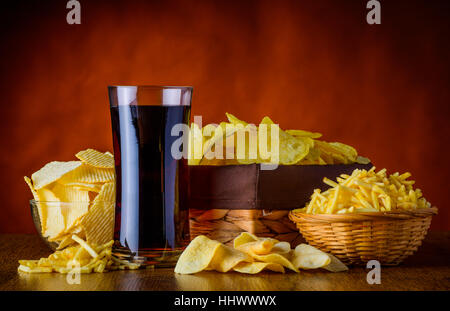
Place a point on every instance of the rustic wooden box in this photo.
(227, 200)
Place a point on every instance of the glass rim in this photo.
(149, 86)
(33, 201)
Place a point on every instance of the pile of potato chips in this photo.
(76, 197)
(367, 191)
(296, 147)
(252, 255)
(80, 258)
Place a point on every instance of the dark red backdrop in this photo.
(314, 65)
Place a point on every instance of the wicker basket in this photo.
(357, 238)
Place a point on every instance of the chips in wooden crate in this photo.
(245, 145)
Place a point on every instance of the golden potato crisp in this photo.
(89, 174)
(251, 255)
(76, 197)
(96, 158)
(256, 267)
(226, 258)
(308, 257)
(197, 256)
(52, 172)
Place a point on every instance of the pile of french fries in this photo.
(367, 191)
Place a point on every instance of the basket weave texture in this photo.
(388, 237)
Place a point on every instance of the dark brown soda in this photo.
(152, 186)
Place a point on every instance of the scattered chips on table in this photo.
(366, 191)
(251, 254)
(76, 197)
(80, 258)
(238, 142)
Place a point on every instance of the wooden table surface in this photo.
(428, 269)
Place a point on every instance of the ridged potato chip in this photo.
(66, 190)
(89, 174)
(52, 172)
(55, 219)
(84, 186)
(98, 223)
(96, 158)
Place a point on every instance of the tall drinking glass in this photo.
(152, 183)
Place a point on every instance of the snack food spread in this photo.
(75, 201)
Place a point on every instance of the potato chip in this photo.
(52, 172)
(78, 206)
(197, 256)
(96, 158)
(331, 153)
(226, 258)
(232, 119)
(83, 186)
(347, 150)
(244, 237)
(214, 146)
(69, 194)
(195, 146)
(42, 211)
(98, 223)
(30, 185)
(55, 220)
(308, 257)
(362, 160)
(335, 265)
(89, 174)
(274, 258)
(291, 149)
(282, 248)
(259, 247)
(301, 133)
(256, 267)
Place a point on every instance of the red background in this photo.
(314, 65)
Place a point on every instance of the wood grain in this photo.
(428, 269)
